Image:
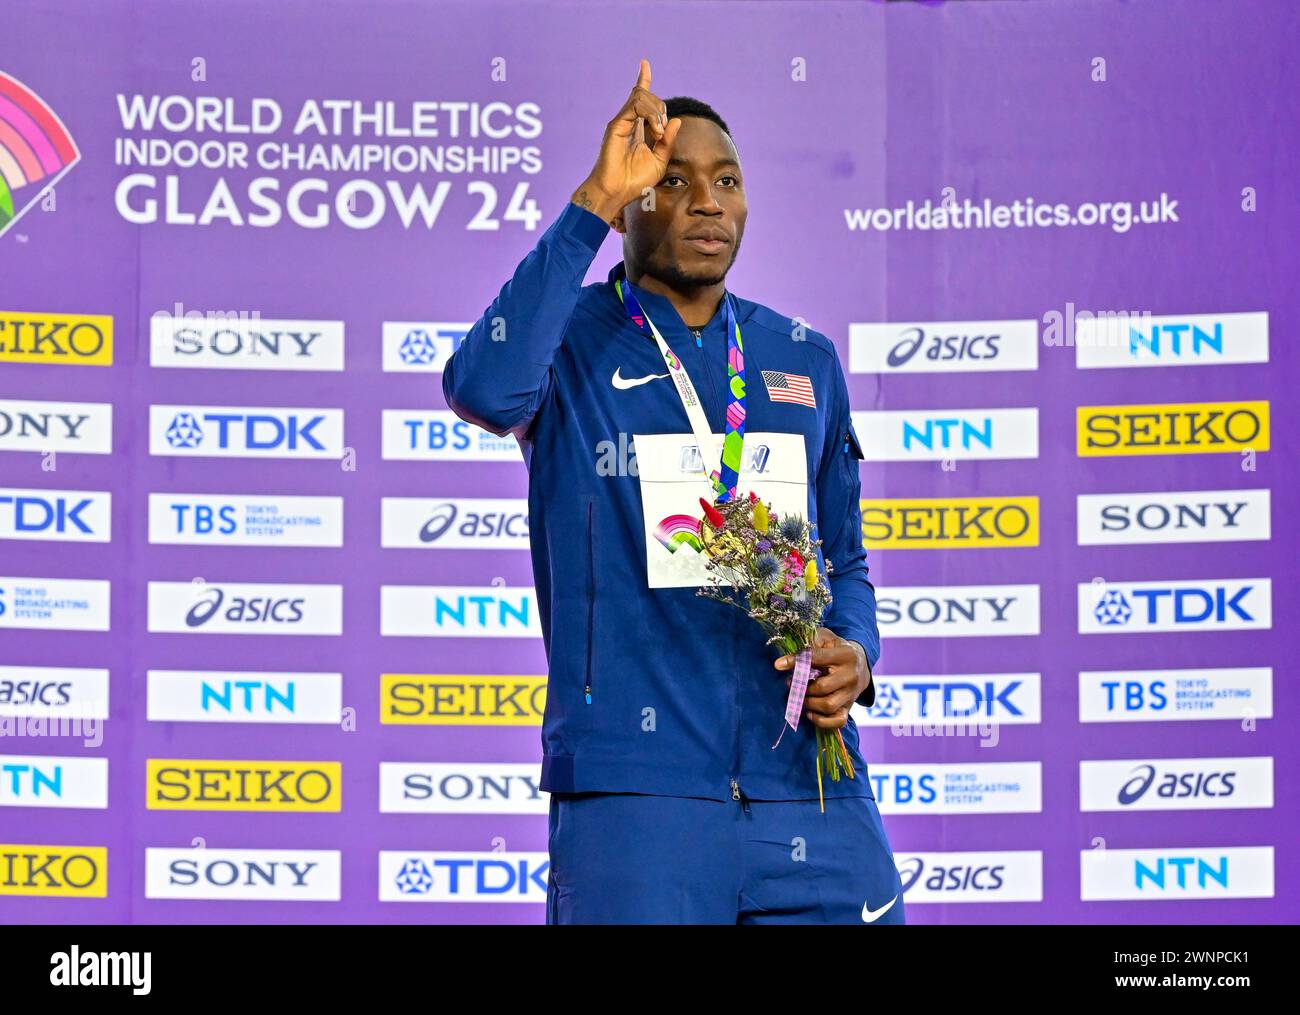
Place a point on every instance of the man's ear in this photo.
(619, 225)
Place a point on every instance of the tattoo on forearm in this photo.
(582, 200)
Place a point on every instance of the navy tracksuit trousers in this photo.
(635, 858)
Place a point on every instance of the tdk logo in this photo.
(242, 431)
(463, 877)
(421, 346)
(184, 431)
(66, 515)
(1007, 698)
(1175, 606)
(257, 433)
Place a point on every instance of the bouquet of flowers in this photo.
(769, 566)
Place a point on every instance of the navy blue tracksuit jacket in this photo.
(655, 689)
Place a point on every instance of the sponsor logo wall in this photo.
(258, 446)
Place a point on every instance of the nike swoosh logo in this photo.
(870, 915)
(623, 383)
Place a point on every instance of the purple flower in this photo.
(767, 567)
(763, 545)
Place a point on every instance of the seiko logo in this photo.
(50, 338)
(243, 785)
(1172, 429)
(957, 522)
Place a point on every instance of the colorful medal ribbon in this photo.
(725, 478)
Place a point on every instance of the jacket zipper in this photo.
(591, 594)
(736, 793)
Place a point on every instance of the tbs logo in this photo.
(1140, 607)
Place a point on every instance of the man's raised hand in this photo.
(634, 152)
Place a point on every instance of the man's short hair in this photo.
(684, 105)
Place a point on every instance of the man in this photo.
(669, 803)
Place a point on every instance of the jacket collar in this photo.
(664, 314)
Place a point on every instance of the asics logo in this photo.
(623, 383)
(870, 915)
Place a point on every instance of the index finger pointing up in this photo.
(643, 75)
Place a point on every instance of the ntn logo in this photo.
(949, 431)
(1173, 871)
(478, 610)
(247, 695)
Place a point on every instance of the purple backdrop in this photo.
(833, 106)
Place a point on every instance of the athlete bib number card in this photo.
(773, 466)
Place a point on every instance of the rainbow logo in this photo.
(35, 149)
(676, 531)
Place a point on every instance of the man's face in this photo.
(690, 234)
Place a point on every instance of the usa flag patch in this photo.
(783, 387)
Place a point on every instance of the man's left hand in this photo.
(845, 674)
